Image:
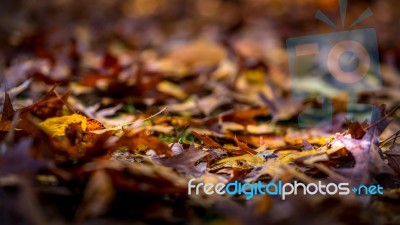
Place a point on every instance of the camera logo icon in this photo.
(326, 65)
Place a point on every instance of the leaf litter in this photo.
(106, 121)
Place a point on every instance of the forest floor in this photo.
(110, 111)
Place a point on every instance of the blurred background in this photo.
(70, 35)
(29, 25)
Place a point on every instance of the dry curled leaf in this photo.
(49, 106)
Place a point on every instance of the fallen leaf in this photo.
(8, 110)
(139, 140)
(243, 146)
(98, 196)
(356, 129)
(198, 54)
(242, 116)
(207, 141)
(92, 125)
(172, 89)
(366, 152)
(186, 162)
(243, 161)
(56, 126)
(48, 106)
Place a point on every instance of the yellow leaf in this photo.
(56, 126)
(292, 156)
(323, 140)
(235, 162)
(171, 89)
(255, 77)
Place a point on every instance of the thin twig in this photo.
(119, 127)
(393, 136)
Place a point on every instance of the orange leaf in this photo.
(93, 124)
(209, 142)
(137, 140)
(244, 147)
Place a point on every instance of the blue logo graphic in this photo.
(368, 190)
(326, 65)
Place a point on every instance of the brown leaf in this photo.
(49, 106)
(74, 133)
(98, 146)
(185, 162)
(357, 129)
(91, 78)
(45, 147)
(8, 110)
(38, 76)
(198, 54)
(243, 146)
(136, 140)
(243, 116)
(271, 140)
(5, 126)
(111, 63)
(147, 179)
(207, 141)
(99, 194)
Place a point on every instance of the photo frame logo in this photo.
(326, 65)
